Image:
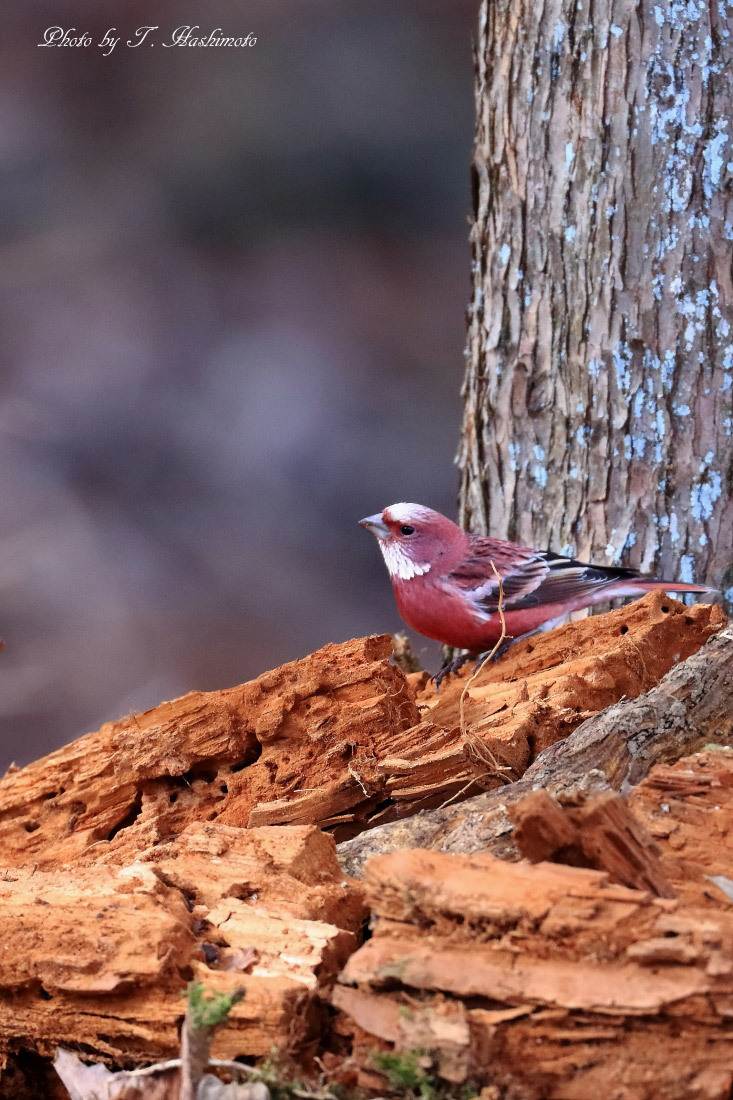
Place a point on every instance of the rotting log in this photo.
(101, 955)
(482, 732)
(549, 982)
(687, 808)
(671, 835)
(691, 706)
(339, 739)
(132, 864)
(600, 832)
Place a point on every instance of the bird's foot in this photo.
(450, 668)
(495, 652)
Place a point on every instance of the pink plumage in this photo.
(446, 588)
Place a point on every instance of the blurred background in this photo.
(233, 285)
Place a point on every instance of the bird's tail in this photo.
(669, 586)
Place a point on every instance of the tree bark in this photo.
(600, 352)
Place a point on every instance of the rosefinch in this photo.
(446, 588)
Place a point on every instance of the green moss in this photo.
(406, 1072)
(208, 1010)
(411, 1077)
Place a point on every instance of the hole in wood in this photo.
(253, 754)
(380, 806)
(203, 771)
(130, 817)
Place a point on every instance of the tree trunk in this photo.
(598, 392)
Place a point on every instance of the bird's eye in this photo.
(405, 529)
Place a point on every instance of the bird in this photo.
(446, 582)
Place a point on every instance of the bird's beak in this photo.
(376, 525)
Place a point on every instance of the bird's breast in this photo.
(438, 614)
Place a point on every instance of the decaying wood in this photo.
(485, 731)
(692, 705)
(597, 400)
(687, 808)
(101, 955)
(601, 833)
(298, 745)
(338, 739)
(550, 981)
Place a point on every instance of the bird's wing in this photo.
(530, 578)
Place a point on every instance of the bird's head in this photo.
(414, 539)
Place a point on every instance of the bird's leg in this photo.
(450, 668)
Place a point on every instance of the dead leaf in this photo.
(96, 1082)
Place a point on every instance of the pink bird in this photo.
(446, 588)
